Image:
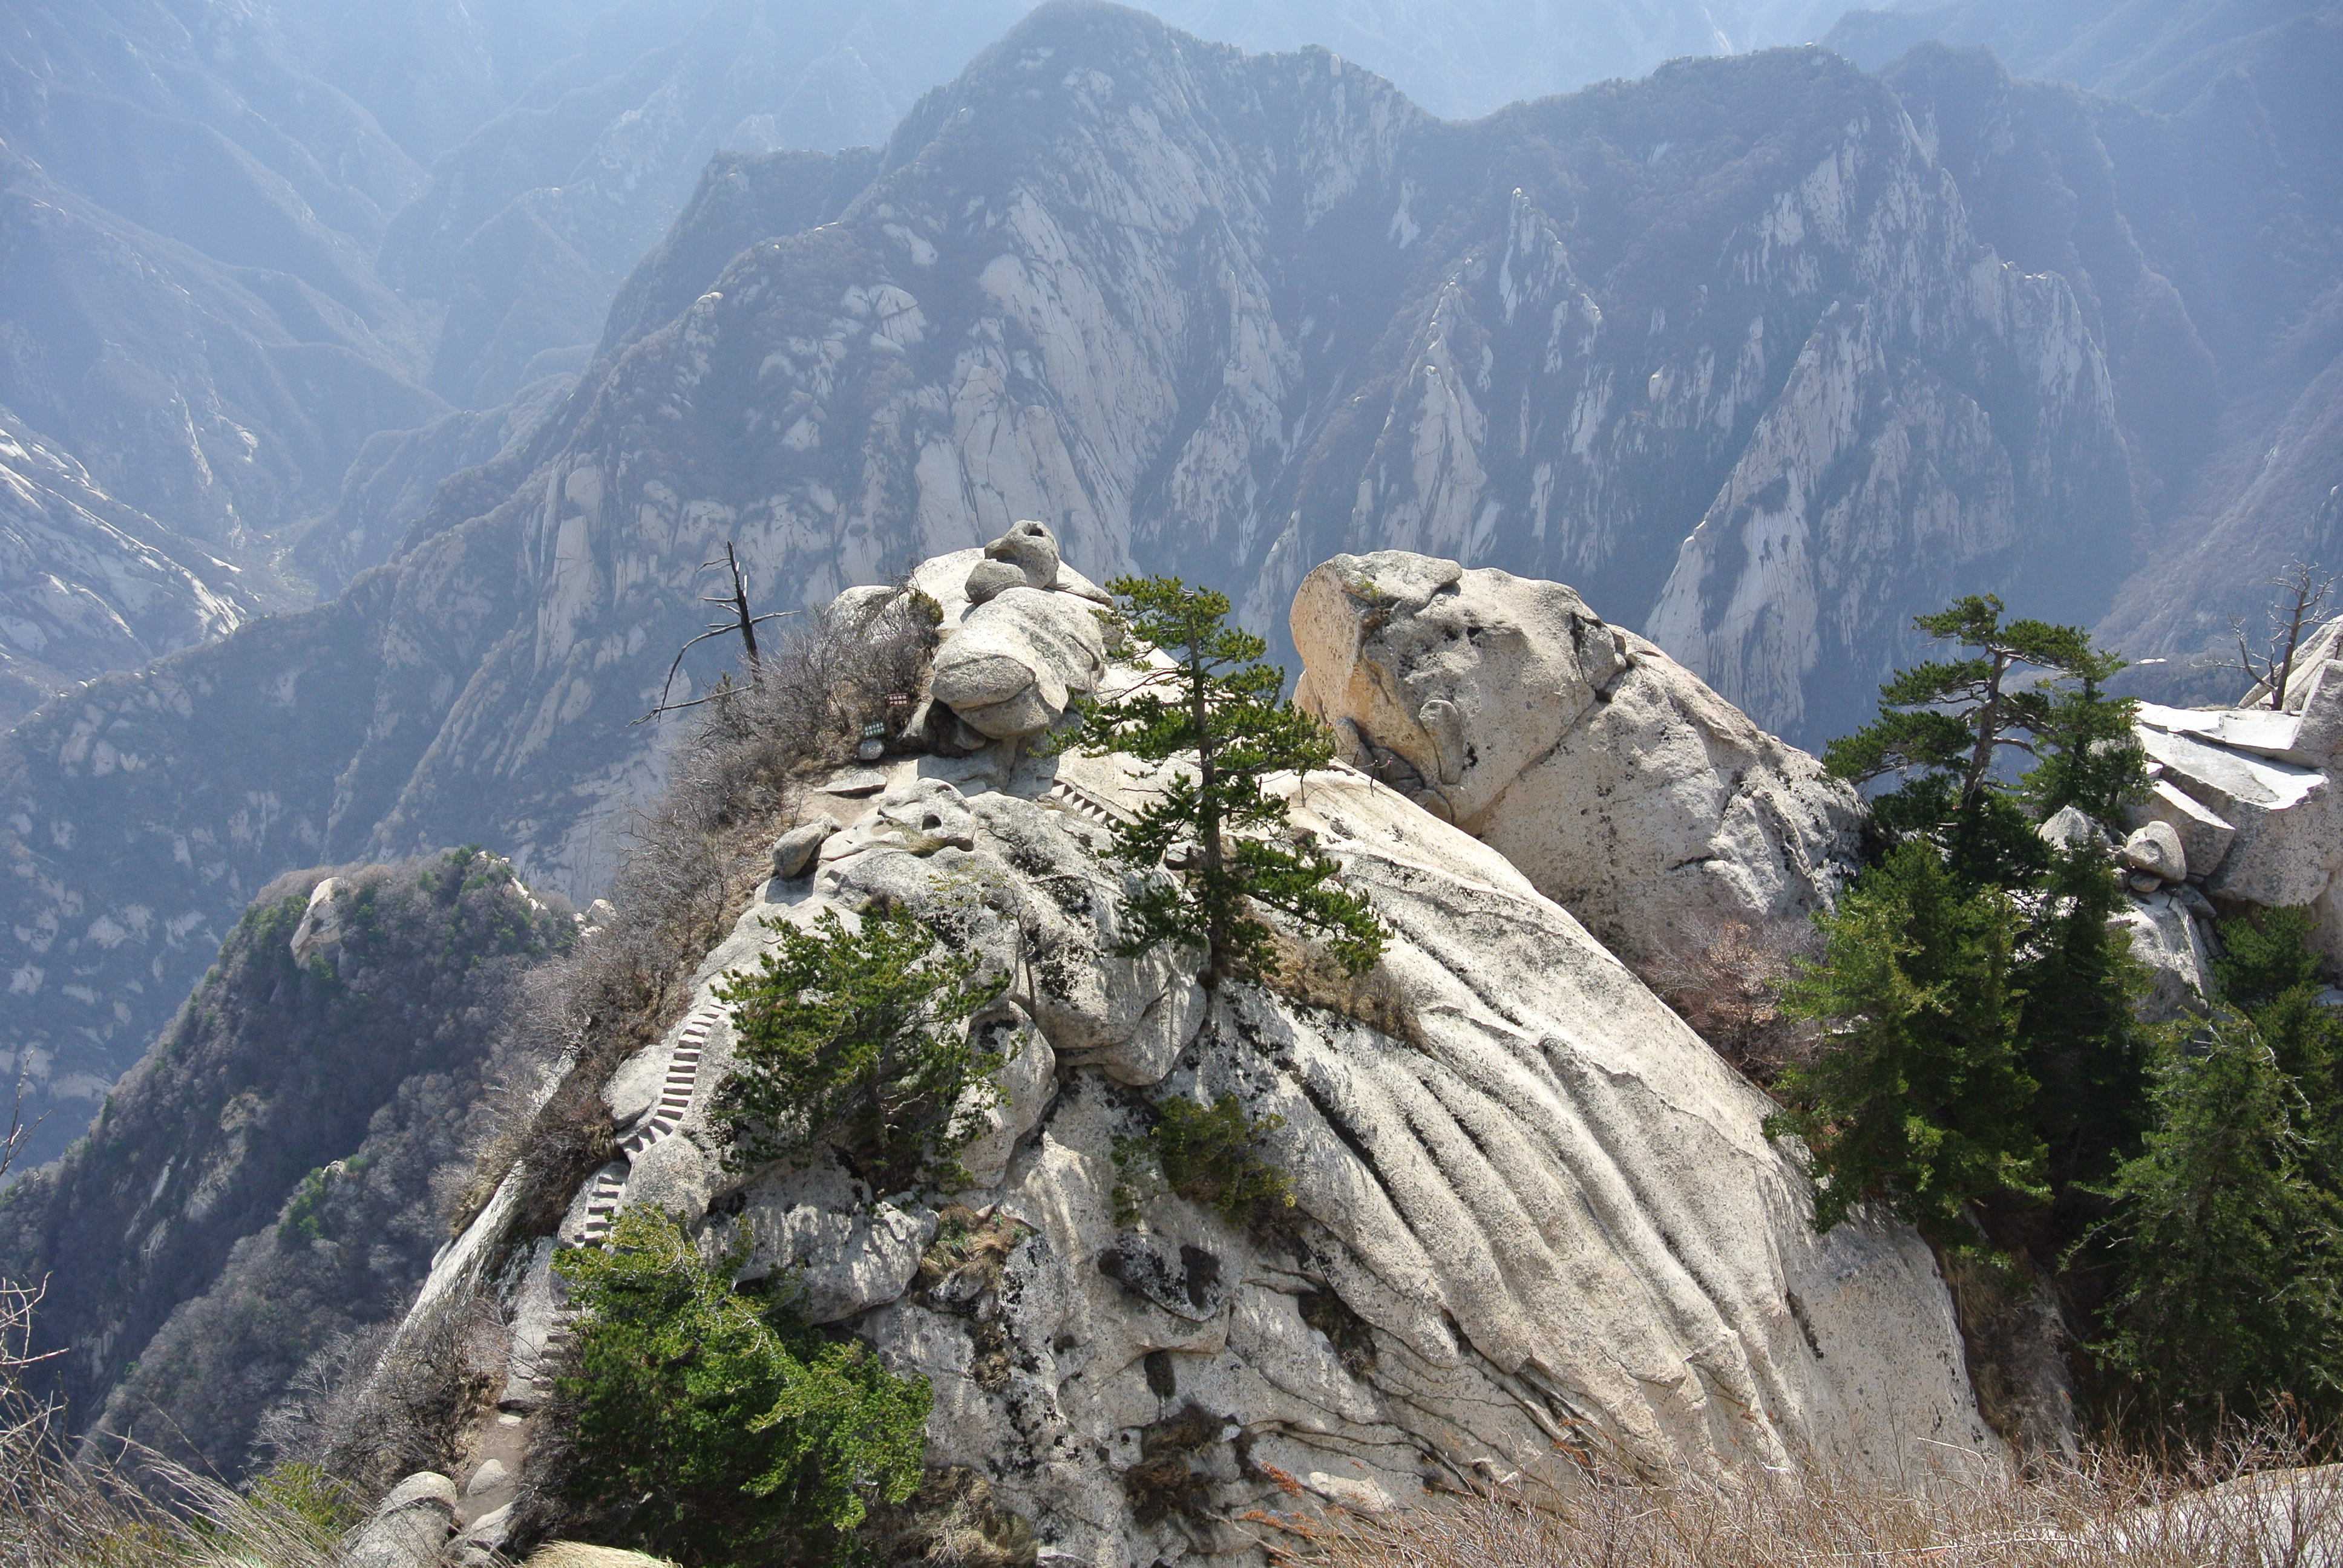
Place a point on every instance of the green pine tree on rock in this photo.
(1976, 988)
(1220, 833)
(2025, 688)
(1920, 1099)
(2231, 1284)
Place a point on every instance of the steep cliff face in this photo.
(526, 227)
(529, 225)
(262, 1180)
(1205, 313)
(2199, 220)
(88, 584)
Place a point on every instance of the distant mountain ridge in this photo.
(338, 1056)
(1203, 312)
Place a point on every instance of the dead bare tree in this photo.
(2302, 593)
(19, 1300)
(2303, 590)
(738, 622)
(1724, 977)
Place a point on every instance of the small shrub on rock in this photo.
(1208, 1154)
(713, 1424)
(859, 1036)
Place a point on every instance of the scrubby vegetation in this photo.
(697, 855)
(711, 1423)
(1218, 832)
(2102, 1509)
(309, 1105)
(859, 1038)
(1208, 1154)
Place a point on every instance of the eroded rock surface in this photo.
(1534, 1215)
(1021, 634)
(1623, 788)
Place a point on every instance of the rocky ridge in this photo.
(267, 1177)
(1203, 313)
(1537, 1222)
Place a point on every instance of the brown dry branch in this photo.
(1724, 977)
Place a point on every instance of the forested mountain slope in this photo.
(263, 1179)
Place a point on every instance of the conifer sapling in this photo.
(1219, 832)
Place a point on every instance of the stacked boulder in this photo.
(1022, 637)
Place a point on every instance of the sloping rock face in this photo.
(1339, 326)
(88, 584)
(1534, 1213)
(1625, 789)
(2222, 329)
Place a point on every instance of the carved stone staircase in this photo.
(664, 1116)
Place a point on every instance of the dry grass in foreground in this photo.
(59, 1511)
(2253, 1505)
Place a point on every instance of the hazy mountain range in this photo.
(1762, 353)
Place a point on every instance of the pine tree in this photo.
(1920, 1099)
(1944, 734)
(859, 1036)
(2084, 1043)
(2269, 970)
(1219, 832)
(1944, 728)
(2232, 1273)
(714, 1422)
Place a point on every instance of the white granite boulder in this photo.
(1622, 787)
(2154, 846)
(794, 851)
(1021, 650)
(2264, 809)
(407, 1528)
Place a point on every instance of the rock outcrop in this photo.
(1625, 789)
(2247, 795)
(1021, 631)
(1536, 1220)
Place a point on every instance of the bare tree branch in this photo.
(2303, 590)
(739, 623)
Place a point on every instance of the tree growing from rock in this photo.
(1945, 727)
(1920, 1099)
(1972, 890)
(715, 1424)
(1221, 832)
(2303, 590)
(859, 1036)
